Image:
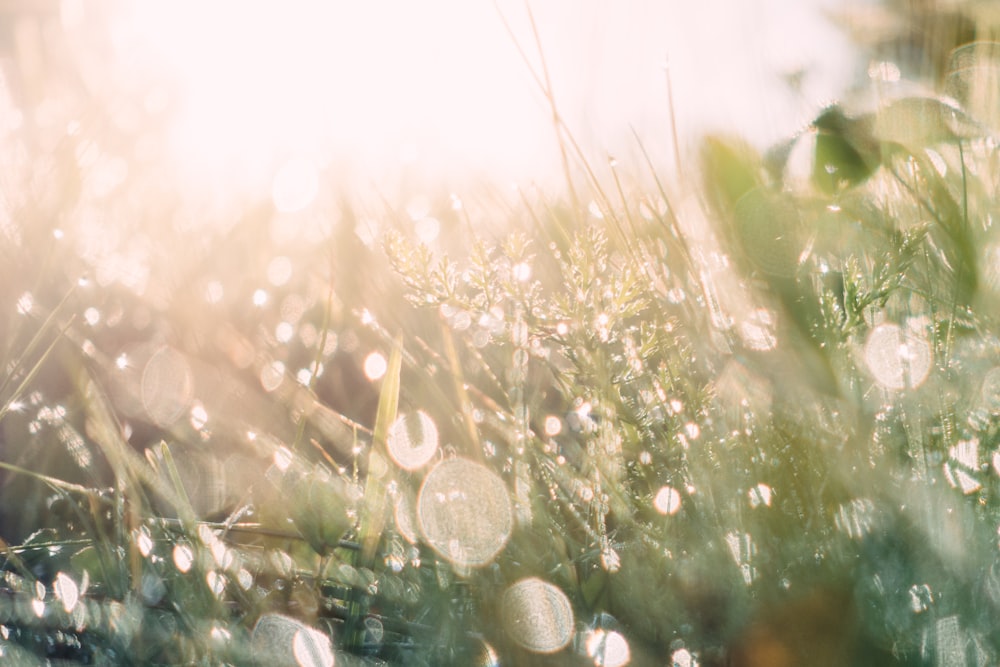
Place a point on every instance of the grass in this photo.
(772, 441)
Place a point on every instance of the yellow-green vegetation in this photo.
(750, 417)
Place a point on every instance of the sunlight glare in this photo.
(361, 84)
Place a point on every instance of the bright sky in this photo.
(373, 85)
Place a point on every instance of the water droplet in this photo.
(521, 272)
(375, 366)
(285, 642)
(464, 512)
(553, 426)
(216, 582)
(66, 591)
(537, 615)
(284, 332)
(144, 542)
(199, 416)
(259, 297)
(412, 440)
(183, 557)
(760, 495)
(608, 648)
(610, 559)
(667, 500)
(898, 358)
(92, 316)
(921, 598)
(692, 430)
(25, 303)
(683, 658)
(272, 375)
(427, 229)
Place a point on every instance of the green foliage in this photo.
(778, 445)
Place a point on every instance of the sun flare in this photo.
(356, 86)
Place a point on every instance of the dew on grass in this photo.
(375, 366)
(66, 591)
(412, 440)
(856, 518)
(683, 658)
(537, 615)
(216, 582)
(272, 375)
(608, 648)
(963, 462)
(760, 495)
(898, 358)
(742, 549)
(280, 641)
(183, 558)
(25, 303)
(144, 542)
(667, 500)
(921, 598)
(284, 332)
(553, 426)
(464, 512)
(198, 416)
(166, 386)
(427, 229)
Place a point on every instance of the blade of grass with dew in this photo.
(374, 504)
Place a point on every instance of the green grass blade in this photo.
(374, 506)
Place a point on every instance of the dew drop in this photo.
(412, 440)
(537, 615)
(272, 375)
(66, 591)
(183, 558)
(285, 642)
(464, 512)
(375, 366)
(898, 358)
(667, 501)
(608, 648)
